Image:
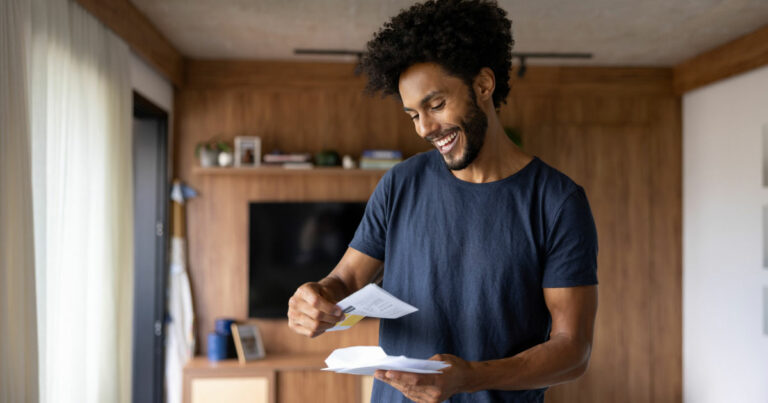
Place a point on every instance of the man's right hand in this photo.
(310, 310)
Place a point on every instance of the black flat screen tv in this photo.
(291, 244)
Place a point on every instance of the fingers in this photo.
(309, 313)
(404, 378)
(417, 387)
(313, 298)
(305, 325)
(302, 306)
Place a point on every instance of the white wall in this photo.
(725, 350)
(151, 85)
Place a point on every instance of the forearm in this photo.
(336, 287)
(557, 360)
(353, 271)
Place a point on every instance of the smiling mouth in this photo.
(445, 144)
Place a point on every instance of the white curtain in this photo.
(79, 192)
(18, 331)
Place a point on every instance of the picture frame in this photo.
(247, 151)
(248, 342)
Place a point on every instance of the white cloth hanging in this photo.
(180, 336)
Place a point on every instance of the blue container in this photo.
(224, 326)
(217, 346)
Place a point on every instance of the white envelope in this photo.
(365, 360)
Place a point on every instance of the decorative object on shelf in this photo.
(247, 151)
(223, 326)
(217, 346)
(327, 158)
(226, 158)
(292, 160)
(208, 151)
(247, 342)
(514, 134)
(380, 159)
(348, 162)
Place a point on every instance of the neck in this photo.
(498, 159)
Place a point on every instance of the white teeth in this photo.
(445, 140)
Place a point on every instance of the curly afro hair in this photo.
(462, 36)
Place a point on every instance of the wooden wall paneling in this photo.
(554, 81)
(218, 222)
(122, 17)
(735, 57)
(666, 260)
(609, 163)
(279, 339)
(316, 386)
(613, 130)
(604, 142)
(218, 74)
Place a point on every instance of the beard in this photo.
(474, 125)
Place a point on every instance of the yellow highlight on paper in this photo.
(350, 320)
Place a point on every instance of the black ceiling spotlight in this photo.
(329, 52)
(521, 70)
(525, 55)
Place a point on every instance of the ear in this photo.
(484, 84)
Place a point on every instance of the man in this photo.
(496, 249)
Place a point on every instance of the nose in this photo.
(427, 126)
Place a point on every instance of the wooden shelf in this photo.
(278, 378)
(270, 170)
(274, 362)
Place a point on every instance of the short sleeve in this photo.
(571, 249)
(371, 235)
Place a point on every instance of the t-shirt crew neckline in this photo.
(446, 174)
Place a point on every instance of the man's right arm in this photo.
(312, 309)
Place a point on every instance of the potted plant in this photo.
(208, 152)
(514, 134)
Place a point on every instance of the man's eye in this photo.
(438, 106)
(414, 117)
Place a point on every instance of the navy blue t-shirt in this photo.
(474, 259)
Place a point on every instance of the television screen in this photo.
(292, 243)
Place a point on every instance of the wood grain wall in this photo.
(616, 131)
(745, 53)
(122, 17)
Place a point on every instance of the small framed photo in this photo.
(247, 151)
(247, 342)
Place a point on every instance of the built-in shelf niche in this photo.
(271, 171)
(765, 311)
(765, 236)
(765, 156)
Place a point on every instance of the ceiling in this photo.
(617, 32)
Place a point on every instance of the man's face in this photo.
(444, 112)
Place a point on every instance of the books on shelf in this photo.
(373, 163)
(298, 165)
(380, 159)
(383, 154)
(285, 158)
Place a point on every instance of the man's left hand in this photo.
(424, 388)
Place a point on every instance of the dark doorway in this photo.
(151, 199)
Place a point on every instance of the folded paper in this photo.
(365, 360)
(371, 301)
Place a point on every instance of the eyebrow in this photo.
(425, 100)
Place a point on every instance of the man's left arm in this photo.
(564, 357)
